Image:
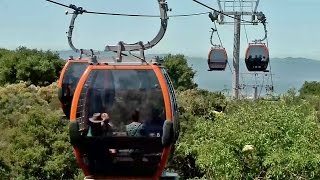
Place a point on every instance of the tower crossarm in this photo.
(238, 5)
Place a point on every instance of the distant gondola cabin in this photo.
(257, 57)
(217, 59)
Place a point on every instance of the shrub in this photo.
(283, 136)
(34, 142)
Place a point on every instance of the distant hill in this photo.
(289, 72)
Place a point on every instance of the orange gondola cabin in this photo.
(120, 91)
(69, 77)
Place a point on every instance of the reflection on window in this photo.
(70, 80)
(257, 53)
(218, 56)
(74, 72)
(132, 99)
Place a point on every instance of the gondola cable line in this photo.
(221, 44)
(220, 12)
(244, 26)
(80, 10)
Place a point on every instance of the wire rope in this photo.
(124, 14)
(220, 12)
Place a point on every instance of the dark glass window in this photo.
(218, 56)
(70, 81)
(120, 93)
(72, 76)
(129, 148)
(257, 53)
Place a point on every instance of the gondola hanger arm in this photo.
(139, 46)
(77, 11)
(263, 20)
(211, 38)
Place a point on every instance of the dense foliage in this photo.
(281, 136)
(219, 138)
(29, 65)
(34, 142)
(310, 91)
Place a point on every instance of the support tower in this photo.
(240, 10)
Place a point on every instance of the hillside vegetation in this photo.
(219, 138)
(29, 65)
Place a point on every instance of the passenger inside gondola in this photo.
(133, 145)
(100, 125)
(256, 62)
(257, 57)
(135, 128)
(99, 157)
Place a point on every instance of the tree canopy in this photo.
(219, 138)
(29, 65)
(181, 75)
(310, 88)
(34, 142)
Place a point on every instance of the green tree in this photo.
(201, 103)
(29, 65)
(180, 73)
(310, 88)
(283, 136)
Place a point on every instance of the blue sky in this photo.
(294, 28)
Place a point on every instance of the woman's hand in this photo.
(105, 116)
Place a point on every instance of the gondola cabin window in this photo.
(257, 57)
(69, 78)
(122, 92)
